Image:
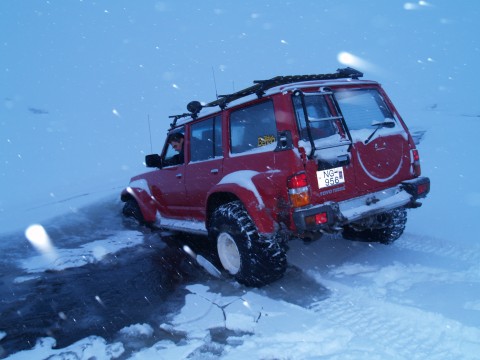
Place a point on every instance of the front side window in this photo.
(173, 153)
(253, 128)
(206, 139)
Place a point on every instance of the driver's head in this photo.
(176, 140)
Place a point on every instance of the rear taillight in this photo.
(415, 159)
(298, 190)
(297, 181)
(415, 155)
(423, 188)
(317, 219)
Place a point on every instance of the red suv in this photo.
(289, 156)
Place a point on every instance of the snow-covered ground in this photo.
(77, 83)
(416, 299)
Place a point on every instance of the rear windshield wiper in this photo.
(388, 123)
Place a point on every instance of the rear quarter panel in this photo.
(263, 187)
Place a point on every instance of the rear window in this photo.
(363, 107)
(253, 128)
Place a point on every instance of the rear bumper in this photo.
(338, 214)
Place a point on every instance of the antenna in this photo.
(215, 83)
(150, 133)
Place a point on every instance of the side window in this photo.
(206, 139)
(173, 151)
(253, 127)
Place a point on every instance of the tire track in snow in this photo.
(389, 330)
(439, 247)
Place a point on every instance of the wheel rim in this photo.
(228, 253)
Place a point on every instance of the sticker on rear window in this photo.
(330, 177)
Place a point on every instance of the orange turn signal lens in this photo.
(299, 197)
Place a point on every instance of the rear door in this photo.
(324, 137)
(380, 151)
(252, 141)
(205, 167)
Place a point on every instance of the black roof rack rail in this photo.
(260, 86)
(263, 85)
(176, 117)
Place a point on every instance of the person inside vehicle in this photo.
(176, 142)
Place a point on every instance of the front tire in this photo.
(131, 209)
(253, 259)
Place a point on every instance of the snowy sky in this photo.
(79, 79)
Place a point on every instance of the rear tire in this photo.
(393, 224)
(253, 259)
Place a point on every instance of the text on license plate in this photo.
(330, 177)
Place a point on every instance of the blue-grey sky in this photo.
(78, 79)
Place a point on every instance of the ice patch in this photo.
(167, 349)
(352, 269)
(92, 347)
(261, 324)
(137, 330)
(87, 253)
(22, 279)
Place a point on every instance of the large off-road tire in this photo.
(393, 224)
(253, 260)
(131, 209)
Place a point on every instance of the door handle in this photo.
(214, 171)
(179, 176)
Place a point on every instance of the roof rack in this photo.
(263, 85)
(176, 117)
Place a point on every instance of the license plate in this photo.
(330, 177)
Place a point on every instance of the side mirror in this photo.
(153, 160)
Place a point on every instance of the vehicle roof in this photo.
(261, 88)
